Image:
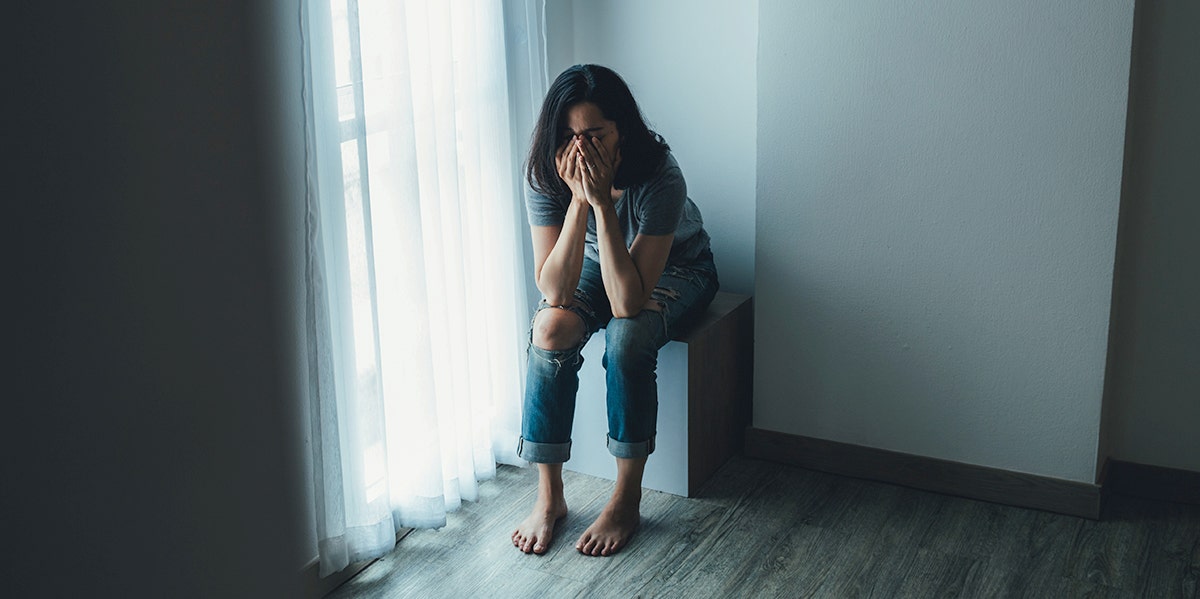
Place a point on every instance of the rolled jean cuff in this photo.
(543, 453)
(622, 449)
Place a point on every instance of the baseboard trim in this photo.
(928, 474)
(1152, 482)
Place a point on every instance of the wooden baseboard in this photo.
(1152, 482)
(929, 474)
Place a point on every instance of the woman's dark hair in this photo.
(642, 150)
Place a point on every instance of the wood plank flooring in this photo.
(760, 529)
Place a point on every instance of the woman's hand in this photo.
(568, 171)
(596, 170)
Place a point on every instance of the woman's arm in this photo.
(558, 249)
(558, 255)
(629, 274)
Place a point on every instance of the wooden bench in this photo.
(704, 393)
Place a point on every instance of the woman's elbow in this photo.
(559, 300)
(558, 297)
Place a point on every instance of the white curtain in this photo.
(417, 302)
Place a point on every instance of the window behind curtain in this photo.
(416, 278)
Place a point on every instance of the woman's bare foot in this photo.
(615, 526)
(535, 533)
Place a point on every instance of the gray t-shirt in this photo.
(657, 207)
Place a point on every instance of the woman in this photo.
(616, 244)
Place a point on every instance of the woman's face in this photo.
(585, 119)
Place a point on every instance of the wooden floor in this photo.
(760, 529)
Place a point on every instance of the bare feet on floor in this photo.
(613, 529)
(535, 533)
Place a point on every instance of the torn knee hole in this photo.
(664, 293)
(579, 302)
(654, 305)
(556, 331)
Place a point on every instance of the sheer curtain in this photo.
(417, 288)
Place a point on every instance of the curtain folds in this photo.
(417, 298)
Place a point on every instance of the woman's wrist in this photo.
(606, 216)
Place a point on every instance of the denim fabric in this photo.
(630, 360)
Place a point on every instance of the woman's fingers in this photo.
(584, 166)
(595, 177)
(567, 166)
(590, 157)
(602, 156)
(581, 166)
(595, 161)
(573, 162)
(562, 156)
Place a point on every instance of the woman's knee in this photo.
(630, 341)
(556, 329)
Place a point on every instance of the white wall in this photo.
(690, 65)
(1155, 383)
(938, 189)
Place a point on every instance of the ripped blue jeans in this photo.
(630, 360)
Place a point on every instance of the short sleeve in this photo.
(662, 203)
(543, 210)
